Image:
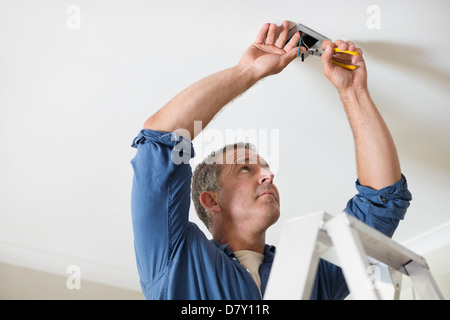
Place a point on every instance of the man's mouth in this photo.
(267, 193)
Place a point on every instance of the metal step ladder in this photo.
(355, 247)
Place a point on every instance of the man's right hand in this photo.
(270, 54)
(341, 78)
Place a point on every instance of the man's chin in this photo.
(273, 217)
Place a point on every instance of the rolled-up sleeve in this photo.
(160, 199)
(381, 209)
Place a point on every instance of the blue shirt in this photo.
(174, 258)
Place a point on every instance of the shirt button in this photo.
(234, 259)
(383, 199)
(248, 270)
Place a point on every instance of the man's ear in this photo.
(209, 201)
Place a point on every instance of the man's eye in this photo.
(244, 168)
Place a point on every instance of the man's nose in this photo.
(265, 175)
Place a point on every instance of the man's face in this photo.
(247, 194)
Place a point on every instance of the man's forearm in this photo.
(202, 101)
(376, 155)
(268, 55)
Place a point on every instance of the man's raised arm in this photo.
(376, 155)
(200, 102)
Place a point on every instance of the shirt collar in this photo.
(269, 250)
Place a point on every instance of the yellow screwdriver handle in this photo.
(345, 66)
(353, 53)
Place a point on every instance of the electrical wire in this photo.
(300, 44)
(307, 48)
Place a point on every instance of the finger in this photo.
(359, 57)
(262, 33)
(326, 43)
(291, 54)
(293, 43)
(271, 34)
(341, 44)
(351, 46)
(327, 57)
(281, 41)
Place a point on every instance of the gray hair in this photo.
(207, 177)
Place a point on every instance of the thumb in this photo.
(292, 54)
(326, 59)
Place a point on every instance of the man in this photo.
(234, 194)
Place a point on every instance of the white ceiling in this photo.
(72, 100)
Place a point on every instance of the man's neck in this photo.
(244, 242)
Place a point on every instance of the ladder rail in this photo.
(382, 248)
(350, 244)
(353, 258)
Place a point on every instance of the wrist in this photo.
(249, 73)
(351, 94)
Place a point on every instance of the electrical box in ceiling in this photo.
(310, 38)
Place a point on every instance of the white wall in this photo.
(76, 89)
